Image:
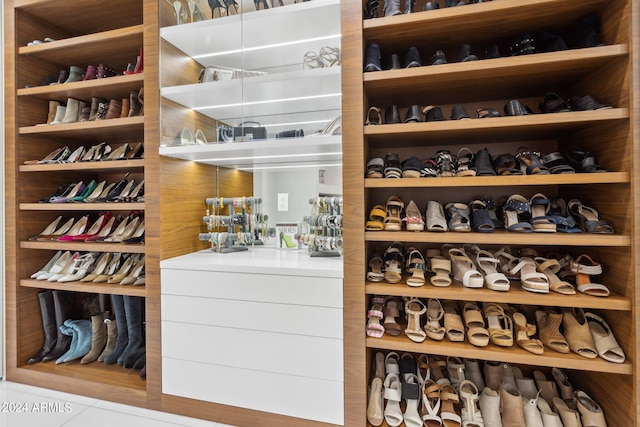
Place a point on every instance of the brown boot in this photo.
(53, 107)
(115, 107)
(112, 337)
(135, 104)
(125, 107)
(98, 338)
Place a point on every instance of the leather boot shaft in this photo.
(98, 338)
(126, 105)
(53, 108)
(134, 311)
(112, 337)
(115, 108)
(134, 104)
(48, 313)
(117, 304)
(62, 307)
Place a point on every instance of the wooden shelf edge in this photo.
(81, 207)
(84, 166)
(83, 41)
(492, 352)
(506, 122)
(134, 248)
(110, 82)
(495, 181)
(95, 288)
(500, 238)
(497, 65)
(516, 295)
(82, 126)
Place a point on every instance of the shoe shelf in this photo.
(110, 47)
(131, 127)
(267, 152)
(509, 77)
(495, 129)
(515, 295)
(253, 41)
(266, 99)
(135, 248)
(114, 206)
(500, 238)
(115, 87)
(514, 354)
(487, 21)
(102, 166)
(500, 181)
(96, 288)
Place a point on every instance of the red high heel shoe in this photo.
(139, 67)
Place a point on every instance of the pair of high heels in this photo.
(334, 127)
(327, 57)
(186, 137)
(60, 155)
(66, 267)
(128, 231)
(136, 68)
(226, 4)
(117, 268)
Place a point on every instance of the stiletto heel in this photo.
(101, 264)
(75, 190)
(229, 3)
(114, 265)
(137, 236)
(257, 3)
(215, 4)
(48, 265)
(194, 10)
(49, 229)
(119, 153)
(139, 67)
(68, 267)
(126, 232)
(134, 274)
(287, 240)
(123, 272)
(178, 10)
(57, 233)
(56, 267)
(79, 269)
(78, 228)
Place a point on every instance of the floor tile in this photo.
(98, 417)
(157, 415)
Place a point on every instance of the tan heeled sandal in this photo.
(476, 332)
(549, 331)
(524, 332)
(414, 308)
(500, 326)
(549, 267)
(394, 207)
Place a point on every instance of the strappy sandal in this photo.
(423, 368)
(499, 325)
(375, 411)
(471, 416)
(429, 169)
(393, 221)
(431, 404)
(465, 162)
(549, 331)
(392, 167)
(517, 214)
(450, 406)
(524, 332)
(564, 221)
(374, 328)
(407, 366)
(374, 116)
(588, 219)
(606, 344)
(583, 267)
(530, 162)
(414, 308)
(532, 280)
(577, 332)
(549, 267)
(435, 216)
(391, 312)
(445, 163)
(477, 334)
(485, 113)
(411, 394)
(377, 217)
(442, 269)
(393, 396)
(540, 220)
(439, 371)
(375, 264)
(583, 161)
(375, 168)
(480, 218)
(487, 264)
(455, 371)
(393, 263)
(459, 217)
(491, 208)
(435, 313)
(413, 218)
(557, 163)
(416, 266)
(454, 329)
(411, 167)
(507, 164)
(464, 270)
(553, 103)
(506, 262)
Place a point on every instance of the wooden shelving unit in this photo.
(609, 134)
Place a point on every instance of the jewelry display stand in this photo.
(251, 221)
(324, 236)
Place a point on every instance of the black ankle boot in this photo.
(372, 58)
(412, 58)
(391, 115)
(438, 58)
(62, 308)
(48, 313)
(464, 54)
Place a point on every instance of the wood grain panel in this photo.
(177, 68)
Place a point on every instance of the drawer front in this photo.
(298, 355)
(315, 291)
(256, 316)
(294, 396)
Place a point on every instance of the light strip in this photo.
(328, 165)
(267, 46)
(269, 101)
(310, 122)
(221, 159)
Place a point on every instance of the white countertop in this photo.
(259, 260)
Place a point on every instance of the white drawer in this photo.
(300, 397)
(256, 316)
(298, 355)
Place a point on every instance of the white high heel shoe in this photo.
(100, 265)
(136, 271)
(124, 270)
(80, 268)
(56, 267)
(68, 267)
(48, 265)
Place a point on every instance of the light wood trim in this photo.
(113, 87)
(94, 288)
(83, 206)
(515, 295)
(493, 352)
(501, 181)
(500, 237)
(134, 248)
(88, 129)
(116, 165)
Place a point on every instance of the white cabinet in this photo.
(261, 330)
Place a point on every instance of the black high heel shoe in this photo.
(229, 3)
(264, 4)
(215, 4)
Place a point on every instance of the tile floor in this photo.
(24, 405)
